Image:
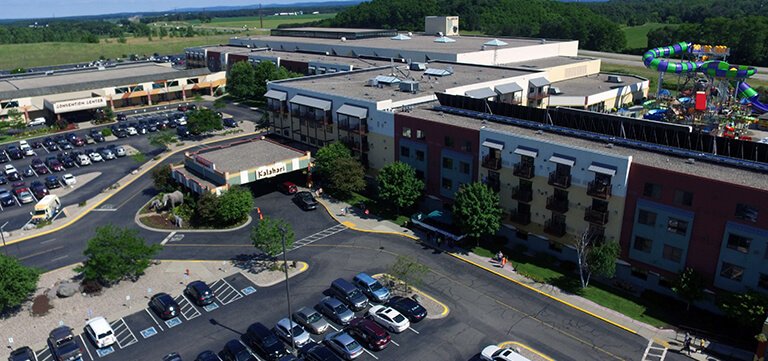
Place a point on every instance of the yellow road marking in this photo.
(348, 224)
(518, 344)
(427, 295)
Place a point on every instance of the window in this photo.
(746, 212)
(192, 81)
(677, 226)
(406, 132)
(420, 174)
(639, 273)
(647, 218)
(763, 281)
(738, 243)
(173, 83)
(121, 90)
(643, 244)
(158, 86)
(447, 163)
(420, 155)
(447, 184)
(420, 134)
(673, 254)
(448, 141)
(683, 198)
(652, 190)
(731, 271)
(405, 152)
(467, 147)
(138, 88)
(464, 167)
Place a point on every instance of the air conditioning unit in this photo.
(418, 66)
(555, 90)
(409, 86)
(372, 82)
(614, 79)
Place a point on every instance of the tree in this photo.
(234, 206)
(595, 256)
(15, 118)
(206, 209)
(241, 80)
(115, 254)
(398, 185)
(266, 71)
(163, 180)
(17, 282)
(348, 176)
(689, 286)
(748, 309)
(326, 157)
(409, 271)
(162, 139)
(108, 113)
(477, 210)
(267, 236)
(203, 121)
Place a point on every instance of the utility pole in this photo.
(2, 235)
(261, 19)
(287, 290)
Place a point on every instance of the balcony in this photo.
(520, 217)
(355, 145)
(561, 180)
(491, 162)
(537, 96)
(494, 184)
(523, 170)
(554, 227)
(596, 216)
(599, 189)
(522, 194)
(557, 204)
(361, 129)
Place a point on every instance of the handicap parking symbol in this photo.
(173, 322)
(248, 290)
(105, 351)
(147, 333)
(211, 307)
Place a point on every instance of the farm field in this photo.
(637, 36)
(252, 22)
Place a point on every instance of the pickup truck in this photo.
(63, 346)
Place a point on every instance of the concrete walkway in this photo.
(662, 340)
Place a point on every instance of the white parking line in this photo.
(153, 318)
(33, 171)
(167, 238)
(44, 351)
(394, 343)
(120, 328)
(86, 347)
(333, 327)
(230, 291)
(414, 331)
(369, 352)
(187, 309)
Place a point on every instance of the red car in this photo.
(369, 333)
(288, 188)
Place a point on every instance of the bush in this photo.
(106, 132)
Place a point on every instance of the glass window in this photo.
(672, 253)
(746, 212)
(738, 243)
(464, 167)
(763, 281)
(448, 141)
(683, 198)
(677, 226)
(643, 244)
(405, 152)
(420, 134)
(647, 218)
(467, 147)
(447, 184)
(406, 132)
(731, 271)
(192, 81)
(652, 190)
(173, 83)
(447, 163)
(420, 155)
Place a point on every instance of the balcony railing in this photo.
(597, 216)
(354, 128)
(520, 218)
(523, 170)
(554, 227)
(557, 204)
(599, 189)
(522, 194)
(561, 180)
(491, 162)
(537, 96)
(356, 146)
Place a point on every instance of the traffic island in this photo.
(435, 309)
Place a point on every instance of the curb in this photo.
(137, 220)
(352, 226)
(518, 344)
(446, 309)
(303, 267)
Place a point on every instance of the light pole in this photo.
(2, 235)
(287, 290)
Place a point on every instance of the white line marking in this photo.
(369, 352)
(333, 327)
(48, 241)
(394, 343)
(414, 331)
(85, 347)
(59, 258)
(153, 318)
(167, 238)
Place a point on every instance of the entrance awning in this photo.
(526, 152)
(311, 102)
(277, 95)
(482, 93)
(493, 145)
(598, 168)
(353, 111)
(539, 82)
(559, 159)
(508, 88)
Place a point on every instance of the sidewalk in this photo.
(668, 338)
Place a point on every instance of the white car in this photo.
(100, 332)
(300, 335)
(131, 131)
(120, 151)
(69, 179)
(181, 121)
(26, 148)
(496, 353)
(389, 318)
(9, 169)
(95, 157)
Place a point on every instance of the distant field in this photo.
(30, 55)
(637, 36)
(252, 22)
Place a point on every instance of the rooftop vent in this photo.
(438, 72)
(614, 79)
(609, 145)
(555, 90)
(417, 66)
(409, 86)
(388, 80)
(372, 82)
(343, 39)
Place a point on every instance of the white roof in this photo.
(99, 325)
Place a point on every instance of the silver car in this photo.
(300, 335)
(311, 320)
(336, 310)
(344, 345)
(107, 153)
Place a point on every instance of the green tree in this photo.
(477, 210)
(203, 121)
(16, 118)
(17, 282)
(234, 206)
(206, 210)
(689, 286)
(408, 271)
(327, 156)
(602, 258)
(398, 185)
(241, 80)
(162, 139)
(162, 179)
(348, 177)
(266, 71)
(122, 39)
(748, 309)
(115, 254)
(219, 104)
(108, 113)
(267, 236)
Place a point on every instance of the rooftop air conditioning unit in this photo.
(555, 90)
(418, 66)
(372, 82)
(409, 86)
(614, 79)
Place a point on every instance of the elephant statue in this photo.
(173, 199)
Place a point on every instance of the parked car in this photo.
(182, 131)
(207, 356)
(164, 306)
(22, 354)
(14, 152)
(3, 157)
(6, 198)
(287, 188)
(100, 332)
(77, 141)
(317, 352)
(131, 131)
(312, 320)
(229, 122)
(264, 342)
(9, 168)
(39, 167)
(496, 353)
(82, 160)
(68, 179)
(63, 346)
(54, 164)
(408, 307)
(106, 153)
(173, 356)
(346, 346)
(23, 194)
(199, 293)
(67, 161)
(349, 294)
(369, 333)
(48, 142)
(52, 182)
(335, 310)
(234, 350)
(286, 328)
(305, 200)
(38, 189)
(28, 173)
(389, 318)
(64, 144)
(94, 155)
(13, 177)
(96, 135)
(118, 150)
(3, 180)
(36, 144)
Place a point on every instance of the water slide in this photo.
(656, 59)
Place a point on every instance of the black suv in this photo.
(164, 306)
(317, 352)
(264, 342)
(22, 354)
(235, 351)
(305, 201)
(199, 293)
(63, 346)
(97, 136)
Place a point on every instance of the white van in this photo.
(36, 122)
(46, 208)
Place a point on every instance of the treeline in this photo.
(531, 18)
(639, 12)
(207, 16)
(70, 31)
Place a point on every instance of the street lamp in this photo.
(2, 235)
(287, 290)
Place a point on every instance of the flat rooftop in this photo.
(237, 157)
(334, 30)
(593, 84)
(353, 84)
(294, 56)
(699, 168)
(551, 62)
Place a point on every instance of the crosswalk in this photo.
(655, 351)
(318, 236)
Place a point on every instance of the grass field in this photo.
(30, 55)
(637, 36)
(270, 22)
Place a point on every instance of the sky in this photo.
(22, 9)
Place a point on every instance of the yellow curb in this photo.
(118, 189)
(446, 310)
(353, 227)
(513, 343)
(661, 342)
(348, 224)
(543, 293)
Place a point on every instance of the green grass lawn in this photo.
(270, 22)
(637, 36)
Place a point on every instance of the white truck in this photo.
(46, 208)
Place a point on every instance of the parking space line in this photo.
(231, 291)
(333, 327)
(187, 309)
(394, 343)
(370, 353)
(85, 347)
(153, 318)
(414, 331)
(120, 328)
(43, 352)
